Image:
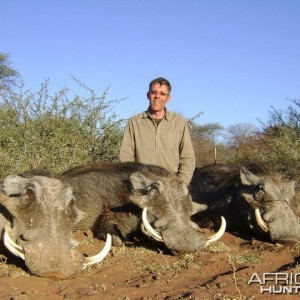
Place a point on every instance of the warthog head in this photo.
(40, 214)
(258, 202)
(276, 209)
(170, 208)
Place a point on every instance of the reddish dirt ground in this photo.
(221, 271)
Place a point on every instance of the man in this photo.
(158, 136)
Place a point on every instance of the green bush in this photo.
(39, 130)
(278, 146)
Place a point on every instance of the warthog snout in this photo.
(54, 260)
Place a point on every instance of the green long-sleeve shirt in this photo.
(167, 145)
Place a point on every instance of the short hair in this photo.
(161, 81)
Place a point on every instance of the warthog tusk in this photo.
(13, 247)
(218, 234)
(101, 255)
(262, 224)
(152, 232)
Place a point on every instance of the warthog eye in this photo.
(15, 195)
(260, 195)
(23, 237)
(153, 191)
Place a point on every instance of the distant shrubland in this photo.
(276, 145)
(60, 130)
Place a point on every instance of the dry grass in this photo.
(244, 259)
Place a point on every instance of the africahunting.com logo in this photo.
(277, 283)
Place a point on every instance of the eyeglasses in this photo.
(162, 94)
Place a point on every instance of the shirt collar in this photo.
(166, 116)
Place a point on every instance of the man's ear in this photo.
(148, 95)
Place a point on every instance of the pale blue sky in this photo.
(231, 59)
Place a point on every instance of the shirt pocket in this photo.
(169, 141)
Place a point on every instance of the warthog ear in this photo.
(68, 196)
(197, 207)
(248, 178)
(14, 185)
(139, 181)
(289, 190)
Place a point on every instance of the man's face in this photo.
(158, 97)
